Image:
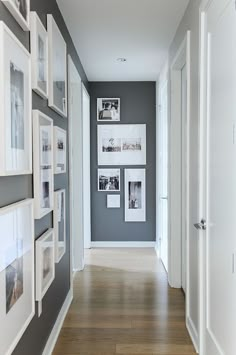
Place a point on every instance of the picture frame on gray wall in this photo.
(108, 109)
(20, 10)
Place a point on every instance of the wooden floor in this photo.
(123, 305)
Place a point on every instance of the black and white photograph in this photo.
(135, 195)
(108, 179)
(108, 109)
(57, 68)
(42, 82)
(45, 146)
(59, 150)
(45, 194)
(46, 262)
(120, 144)
(15, 101)
(14, 278)
(20, 10)
(59, 218)
(17, 107)
(17, 295)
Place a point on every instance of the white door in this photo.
(163, 176)
(218, 178)
(184, 174)
(76, 167)
(86, 168)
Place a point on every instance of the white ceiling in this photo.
(139, 30)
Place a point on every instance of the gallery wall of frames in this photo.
(34, 235)
(123, 161)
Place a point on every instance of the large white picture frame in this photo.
(59, 223)
(15, 106)
(39, 55)
(43, 164)
(45, 263)
(122, 144)
(60, 150)
(135, 195)
(17, 306)
(20, 10)
(57, 68)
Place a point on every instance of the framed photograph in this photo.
(108, 179)
(122, 144)
(43, 164)
(39, 55)
(59, 223)
(17, 306)
(113, 201)
(45, 263)
(15, 106)
(108, 110)
(59, 151)
(135, 195)
(57, 68)
(20, 10)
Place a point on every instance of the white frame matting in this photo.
(137, 212)
(59, 208)
(121, 144)
(16, 13)
(60, 156)
(15, 106)
(16, 272)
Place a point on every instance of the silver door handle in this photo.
(164, 198)
(201, 226)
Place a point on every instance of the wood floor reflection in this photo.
(123, 305)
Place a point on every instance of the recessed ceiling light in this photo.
(121, 60)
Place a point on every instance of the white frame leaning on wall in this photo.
(24, 23)
(14, 161)
(37, 30)
(38, 167)
(19, 316)
(54, 35)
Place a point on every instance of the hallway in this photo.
(123, 305)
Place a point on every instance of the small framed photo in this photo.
(57, 68)
(108, 110)
(20, 10)
(113, 201)
(43, 164)
(39, 55)
(45, 263)
(59, 223)
(109, 180)
(59, 151)
(15, 106)
(17, 306)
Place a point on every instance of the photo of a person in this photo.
(108, 179)
(108, 109)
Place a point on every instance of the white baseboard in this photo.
(123, 244)
(193, 334)
(157, 250)
(58, 325)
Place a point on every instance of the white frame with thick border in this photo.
(52, 30)
(37, 29)
(5, 111)
(58, 255)
(8, 349)
(25, 24)
(64, 133)
(135, 215)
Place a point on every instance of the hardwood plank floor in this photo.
(123, 305)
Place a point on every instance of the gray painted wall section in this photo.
(16, 188)
(138, 105)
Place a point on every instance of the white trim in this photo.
(157, 250)
(123, 244)
(58, 325)
(193, 334)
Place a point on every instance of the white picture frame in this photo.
(57, 99)
(59, 223)
(121, 144)
(43, 164)
(17, 296)
(60, 150)
(108, 180)
(45, 263)
(39, 55)
(20, 10)
(113, 201)
(15, 106)
(135, 195)
(108, 109)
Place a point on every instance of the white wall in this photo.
(190, 22)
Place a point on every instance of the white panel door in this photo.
(218, 196)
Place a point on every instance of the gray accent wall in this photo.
(138, 106)
(16, 188)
